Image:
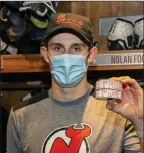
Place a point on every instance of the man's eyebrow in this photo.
(58, 44)
(74, 44)
(78, 44)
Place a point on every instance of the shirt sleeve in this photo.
(131, 141)
(13, 138)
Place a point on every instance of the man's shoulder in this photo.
(101, 109)
(32, 101)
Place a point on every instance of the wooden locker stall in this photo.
(17, 67)
(94, 10)
(22, 64)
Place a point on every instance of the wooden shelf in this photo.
(112, 68)
(23, 63)
(21, 85)
(34, 63)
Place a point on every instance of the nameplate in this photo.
(119, 59)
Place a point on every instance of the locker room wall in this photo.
(93, 10)
(12, 97)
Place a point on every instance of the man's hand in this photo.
(131, 105)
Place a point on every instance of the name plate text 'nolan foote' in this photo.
(119, 59)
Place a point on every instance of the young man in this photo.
(68, 119)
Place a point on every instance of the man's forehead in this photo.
(65, 37)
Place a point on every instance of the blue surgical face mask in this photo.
(68, 70)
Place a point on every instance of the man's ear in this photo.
(92, 55)
(44, 54)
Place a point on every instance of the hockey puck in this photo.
(108, 89)
(109, 84)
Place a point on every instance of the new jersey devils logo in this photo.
(68, 140)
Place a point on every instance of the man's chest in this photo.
(70, 132)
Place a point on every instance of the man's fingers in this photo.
(132, 83)
(114, 78)
(126, 80)
(110, 105)
(119, 78)
(114, 105)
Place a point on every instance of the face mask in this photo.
(68, 70)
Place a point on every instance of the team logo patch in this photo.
(68, 20)
(68, 140)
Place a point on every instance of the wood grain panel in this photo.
(94, 10)
(64, 6)
(11, 98)
(23, 63)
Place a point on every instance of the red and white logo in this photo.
(68, 140)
